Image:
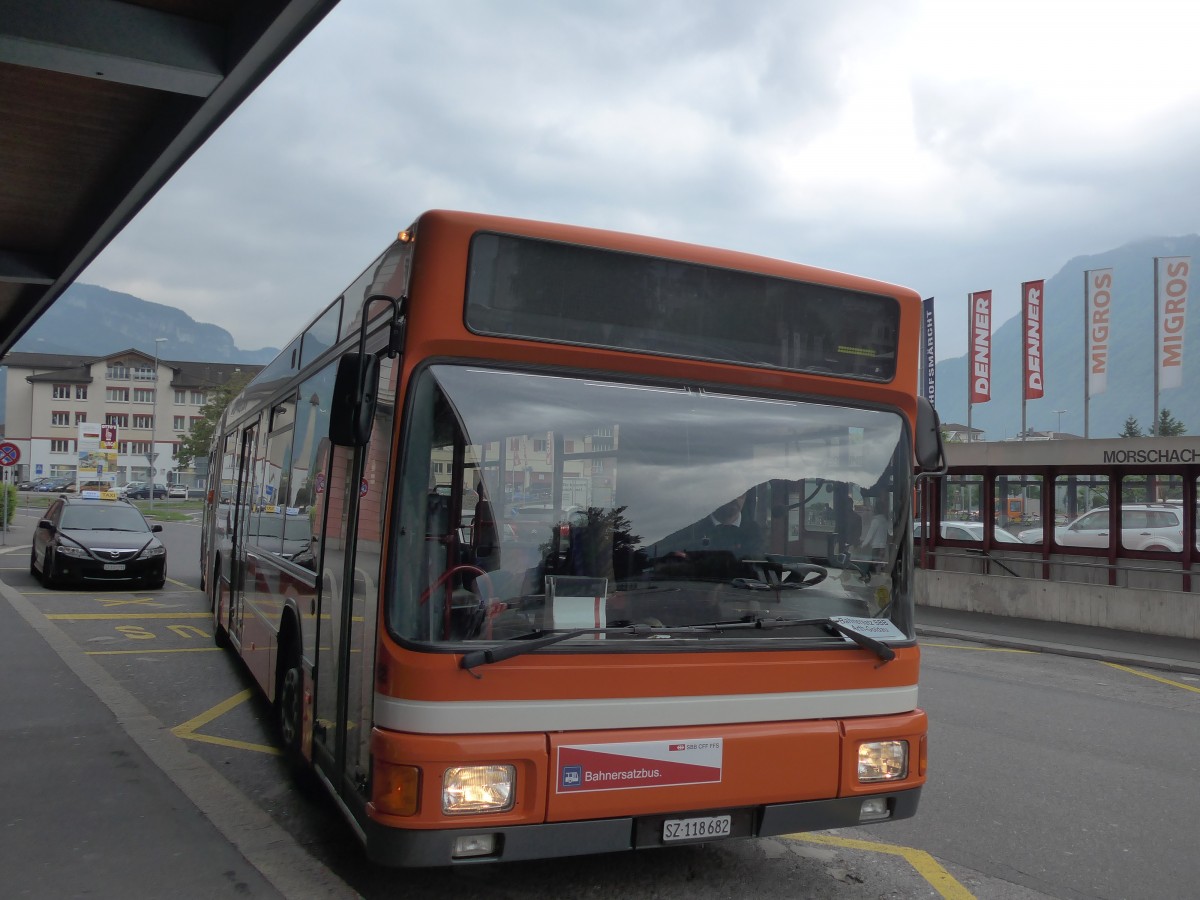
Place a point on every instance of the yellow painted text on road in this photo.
(148, 651)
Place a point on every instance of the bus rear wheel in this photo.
(220, 632)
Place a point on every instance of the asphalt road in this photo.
(1050, 776)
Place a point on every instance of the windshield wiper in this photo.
(522, 643)
(882, 650)
(528, 643)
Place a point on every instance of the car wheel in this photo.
(48, 579)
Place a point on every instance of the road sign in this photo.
(10, 453)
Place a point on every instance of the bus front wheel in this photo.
(289, 706)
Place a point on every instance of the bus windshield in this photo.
(536, 502)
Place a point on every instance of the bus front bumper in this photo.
(416, 849)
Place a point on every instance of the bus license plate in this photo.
(114, 567)
(697, 829)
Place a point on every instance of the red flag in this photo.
(1031, 318)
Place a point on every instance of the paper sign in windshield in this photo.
(880, 629)
(642, 764)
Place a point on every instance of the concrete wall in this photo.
(1149, 611)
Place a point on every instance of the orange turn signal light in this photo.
(396, 789)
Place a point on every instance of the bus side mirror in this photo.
(931, 455)
(353, 410)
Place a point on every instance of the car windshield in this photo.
(103, 517)
(533, 502)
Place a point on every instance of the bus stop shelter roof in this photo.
(101, 101)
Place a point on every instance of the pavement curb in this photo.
(269, 848)
(1014, 643)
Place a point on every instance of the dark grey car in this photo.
(84, 540)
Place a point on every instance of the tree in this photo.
(199, 440)
(1168, 425)
(1132, 429)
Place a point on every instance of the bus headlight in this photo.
(882, 761)
(478, 789)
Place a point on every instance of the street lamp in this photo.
(1060, 415)
(153, 454)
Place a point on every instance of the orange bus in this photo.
(547, 540)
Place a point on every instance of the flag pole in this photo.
(1087, 354)
(970, 359)
(1157, 352)
(1024, 344)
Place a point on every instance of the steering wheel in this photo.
(809, 573)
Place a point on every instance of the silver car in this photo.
(1144, 526)
(969, 531)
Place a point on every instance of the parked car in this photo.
(84, 539)
(969, 531)
(55, 485)
(125, 489)
(1144, 526)
(142, 492)
(178, 491)
(31, 484)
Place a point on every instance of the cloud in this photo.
(949, 147)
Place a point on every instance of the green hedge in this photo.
(11, 490)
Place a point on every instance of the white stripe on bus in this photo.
(511, 716)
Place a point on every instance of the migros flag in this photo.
(980, 369)
(1032, 293)
(1171, 274)
(1098, 284)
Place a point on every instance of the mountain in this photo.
(1131, 355)
(91, 320)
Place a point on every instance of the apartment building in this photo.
(154, 403)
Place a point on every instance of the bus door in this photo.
(243, 510)
(350, 585)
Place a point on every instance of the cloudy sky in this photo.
(946, 145)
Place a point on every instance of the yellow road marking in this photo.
(142, 652)
(226, 742)
(188, 730)
(94, 616)
(1186, 687)
(927, 867)
(985, 649)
